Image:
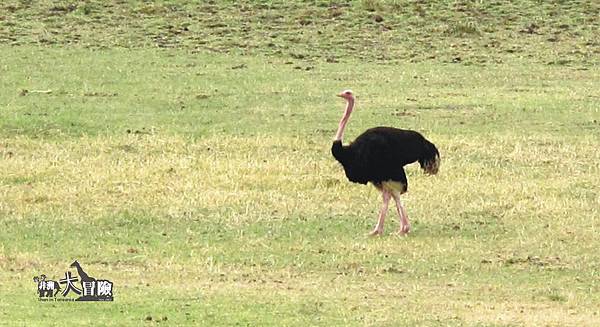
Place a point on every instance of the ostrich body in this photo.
(378, 156)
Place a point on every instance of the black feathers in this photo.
(379, 154)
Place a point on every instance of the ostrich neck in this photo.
(340, 132)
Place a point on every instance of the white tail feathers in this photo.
(430, 158)
(432, 166)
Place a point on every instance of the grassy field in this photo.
(184, 156)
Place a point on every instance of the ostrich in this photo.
(378, 156)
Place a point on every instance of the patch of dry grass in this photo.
(505, 234)
(209, 196)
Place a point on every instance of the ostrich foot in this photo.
(404, 230)
(376, 232)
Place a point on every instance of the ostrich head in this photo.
(347, 94)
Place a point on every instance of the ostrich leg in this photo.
(378, 230)
(404, 224)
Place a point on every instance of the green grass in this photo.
(392, 31)
(200, 182)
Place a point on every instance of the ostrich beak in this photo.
(339, 95)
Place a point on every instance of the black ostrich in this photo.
(378, 156)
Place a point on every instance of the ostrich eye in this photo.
(347, 93)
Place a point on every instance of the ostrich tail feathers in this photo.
(432, 167)
(430, 161)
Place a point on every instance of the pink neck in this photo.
(340, 132)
